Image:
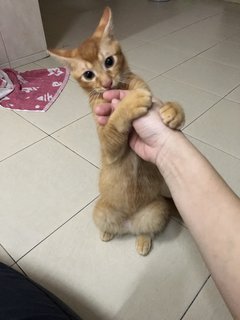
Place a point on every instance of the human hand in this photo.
(104, 110)
(150, 133)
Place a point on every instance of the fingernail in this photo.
(115, 101)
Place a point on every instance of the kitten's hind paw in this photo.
(143, 244)
(105, 236)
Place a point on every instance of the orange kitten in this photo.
(131, 190)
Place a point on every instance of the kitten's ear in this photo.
(65, 56)
(105, 26)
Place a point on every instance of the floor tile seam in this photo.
(212, 146)
(212, 106)
(160, 75)
(53, 132)
(195, 56)
(144, 42)
(28, 121)
(9, 255)
(16, 264)
(232, 99)
(197, 87)
(163, 74)
(143, 69)
(56, 140)
(73, 151)
(201, 114)
(181, 28)
(229, 39)
(70, 123)
(195, 297)
(189, 85)
(56, 229)
(25, 64)
(139, 39)
(24, 148)
(154, 41)
(222, 63)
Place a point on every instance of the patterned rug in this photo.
(34, 90)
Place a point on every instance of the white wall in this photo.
(22, 32)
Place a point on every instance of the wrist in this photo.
(168, 154)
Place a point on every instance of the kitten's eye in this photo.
(109, 62)
(88, 75)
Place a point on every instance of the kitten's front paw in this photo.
(172, 115)
(137, 103)
(133, 106)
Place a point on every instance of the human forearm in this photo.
(210, 210)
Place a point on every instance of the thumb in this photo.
(115, 103)
(114, 94)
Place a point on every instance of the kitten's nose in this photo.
(107, 84)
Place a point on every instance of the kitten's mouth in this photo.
(101, 90)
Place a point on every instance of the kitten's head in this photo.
(98, 64)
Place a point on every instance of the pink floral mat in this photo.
(34, 90)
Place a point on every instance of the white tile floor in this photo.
(188, 51)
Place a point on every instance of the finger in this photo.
(134, 140)
(103, 109)
(114, 94)
(102, 120)
(115, 102)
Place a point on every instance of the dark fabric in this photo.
(22, 299)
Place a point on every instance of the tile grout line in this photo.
(61, 143)
(188, 59)
(221, 98)
(29, 122)
(48, 135)
(59, 227)
(26, 147)
(200, 115)
(226, 153)
(194, 56)
(70, 123)
(24, 273)
(224, 97)
(197, 294)
(5, 250)
(172, 32)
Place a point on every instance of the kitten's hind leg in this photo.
(148, 221)
(143, 244)
(105, 236)
(107, 219)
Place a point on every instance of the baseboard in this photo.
(25, 60)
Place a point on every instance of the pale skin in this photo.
(209, 208)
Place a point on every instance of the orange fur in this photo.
(131, 190)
